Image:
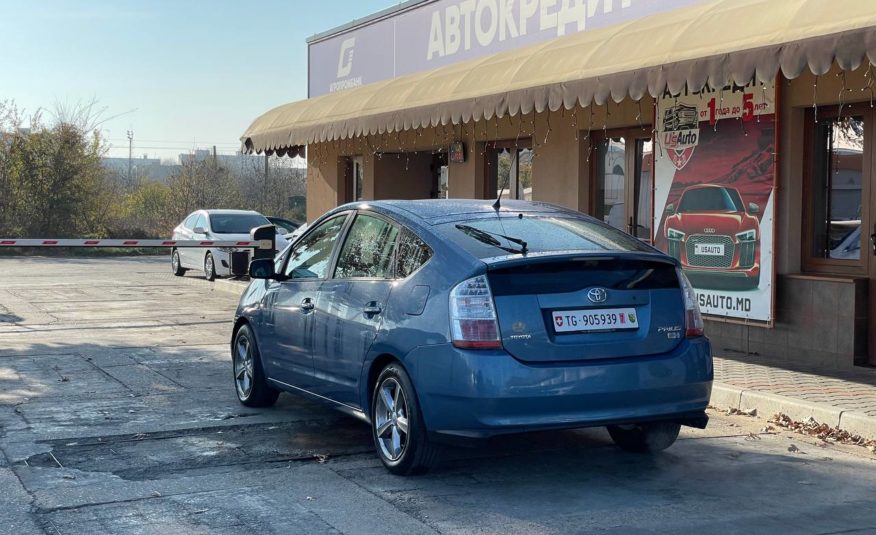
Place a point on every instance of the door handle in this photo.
(372, 308)
(307, 305)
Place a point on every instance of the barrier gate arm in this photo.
(41, 242)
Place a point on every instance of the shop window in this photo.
(509, 170)
(355, 173)
(836, 193)
(440, 176)
(623, 199)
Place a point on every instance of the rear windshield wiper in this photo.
(486, 236)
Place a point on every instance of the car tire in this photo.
(250, 384)
(645, 438)
(209, 267)
(176, 265)
(397, 427)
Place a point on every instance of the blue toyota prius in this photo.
(448, 320)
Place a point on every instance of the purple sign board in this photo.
(424, 35)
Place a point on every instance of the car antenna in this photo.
(498, 206)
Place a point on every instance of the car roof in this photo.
(436, 211)
(230, 212)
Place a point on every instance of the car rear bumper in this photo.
(477, 394)
(232, 263)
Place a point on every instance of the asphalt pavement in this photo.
(118, 415)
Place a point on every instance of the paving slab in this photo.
(844, 398)
(123, 419)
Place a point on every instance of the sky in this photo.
(181, 74)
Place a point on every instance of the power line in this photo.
(179, 141)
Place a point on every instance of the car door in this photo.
(290, 304)
(190, 256)
(350, 305)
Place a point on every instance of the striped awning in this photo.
(715, 43)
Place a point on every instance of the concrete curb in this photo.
(730, 397)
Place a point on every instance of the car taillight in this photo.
(693, 319)
(473, 323)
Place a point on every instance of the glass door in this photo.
(509, 170)
(624, 183)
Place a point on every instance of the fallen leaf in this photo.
(793, 449)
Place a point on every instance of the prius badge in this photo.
(597, 295)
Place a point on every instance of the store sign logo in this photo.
(345, 67)
(345, 58)
(681, 133)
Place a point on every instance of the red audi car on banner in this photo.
(715, 237)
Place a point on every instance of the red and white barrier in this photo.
(40, 242)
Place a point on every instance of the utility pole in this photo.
(214, 155)
(130, 155)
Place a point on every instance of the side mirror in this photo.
(199, 230)
(264, 232)
(753, 208)
(670, 209)
(262, 268)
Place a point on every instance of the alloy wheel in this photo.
(391, 419)
(174, 261)
(209, 268)
(243, 368)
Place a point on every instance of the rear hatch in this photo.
(578, 307)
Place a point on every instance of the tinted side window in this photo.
(412, 253)
(368, 249)
(310, 258)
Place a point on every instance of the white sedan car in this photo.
(217, 225)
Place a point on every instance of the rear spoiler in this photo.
(508, 261)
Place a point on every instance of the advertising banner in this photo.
(714, 195)
(428, 34)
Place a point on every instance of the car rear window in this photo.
(236, 223)
(485, 238)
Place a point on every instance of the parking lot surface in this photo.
(118, 415)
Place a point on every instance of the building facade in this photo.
(736, 135)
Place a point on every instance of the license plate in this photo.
(604, 319)
(709, 249)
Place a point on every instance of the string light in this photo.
(519, 130)
(815, 98)
(869, 87)
(657, 140)
(575, 121)
(548, 133)
(841, 96)
(639, 115)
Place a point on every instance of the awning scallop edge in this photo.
(688, 47)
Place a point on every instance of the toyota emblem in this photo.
(597, 295)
